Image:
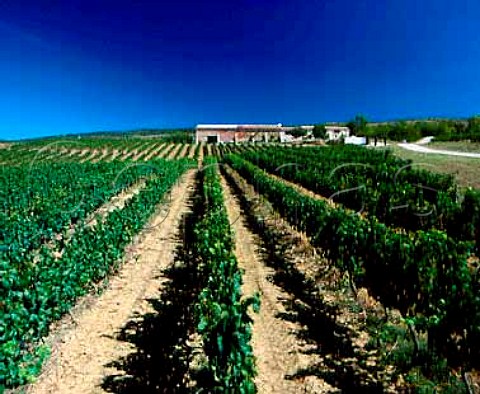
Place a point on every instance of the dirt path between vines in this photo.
(183, 153)
(174, 152)
(82, 350)
(118, 201)
(127, 154)
(91, 155)
(114, 156)
(276, 347)
(164, 153)
(339, 324)
(191, 151)
(143, 151)
(200, 155)
(154, 152)
(104, 153)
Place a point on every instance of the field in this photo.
(461, 146)
(141, 266)
(465, 170)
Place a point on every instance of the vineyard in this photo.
(146, 265)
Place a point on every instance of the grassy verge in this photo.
(460, 146)
(465, 169)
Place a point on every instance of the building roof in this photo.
(260, 126)
(336, 127)
(217, 126)
(237, 126)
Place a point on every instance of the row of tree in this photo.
(318, 132)
(442, 130)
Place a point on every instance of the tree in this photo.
(298, 132)
(474, 124)
(319, 131)
(358, 125)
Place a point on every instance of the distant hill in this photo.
(124, 134)
(424, 120)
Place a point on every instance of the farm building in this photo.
(335, 133)
(289, 133)
(220, 133)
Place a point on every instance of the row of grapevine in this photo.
(376, 182)
(69, 149)
(182, 151)
(223, 319)
(156, 149)
(169, 148)
(97, 149)
(151, 147)
(425, 274)
(34, 293)
(174, 151)
(40, 201)
(17, 155)
(219, 150)
(197, 151)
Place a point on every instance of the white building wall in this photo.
(335, 134)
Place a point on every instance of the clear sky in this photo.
(79, 66)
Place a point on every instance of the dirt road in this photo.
(424, 149)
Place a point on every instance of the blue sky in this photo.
(79, 66)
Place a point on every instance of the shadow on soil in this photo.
(330, 340)
(160, 363)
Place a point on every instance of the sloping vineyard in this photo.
(96, 150)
